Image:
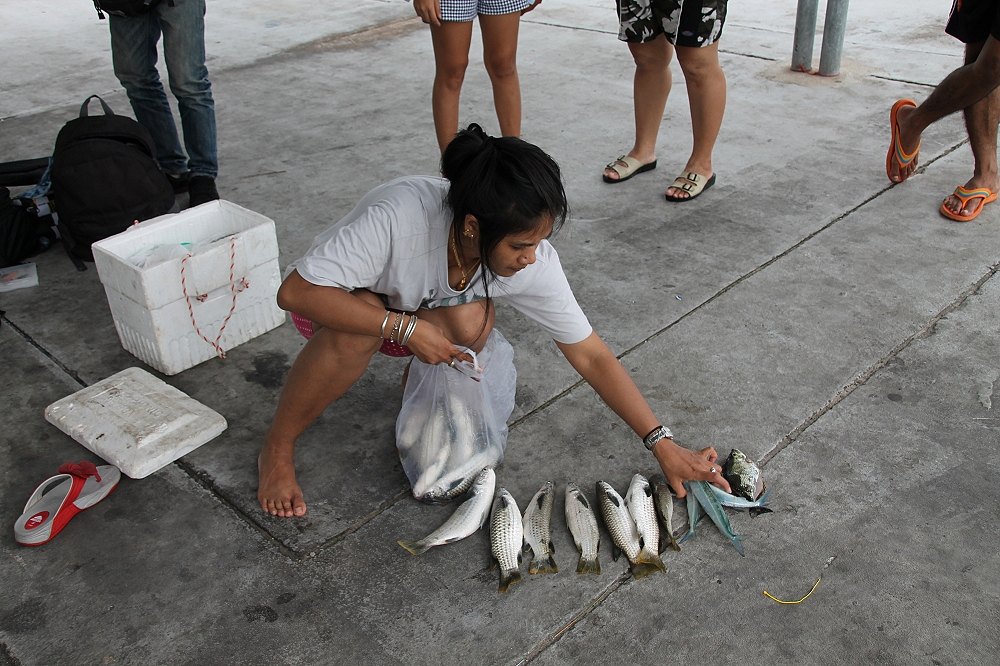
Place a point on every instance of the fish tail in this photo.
(592, 566)
(543, 565)
(642, 569)
(508, 578)
(653, 558)
(414, 547)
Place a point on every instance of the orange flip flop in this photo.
(896, 152)
(984, 194)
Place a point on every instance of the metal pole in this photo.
(833, 37)
(805, 35)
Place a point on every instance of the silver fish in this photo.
(743, 475)
(755, 507)
(582, 525)
(467, 519)
(639, 500)
(665, 510)
(621, 526)
(506, 536)
(708, 501)
(537, 521)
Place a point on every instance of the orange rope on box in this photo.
(236, 286)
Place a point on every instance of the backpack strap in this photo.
(84, 110)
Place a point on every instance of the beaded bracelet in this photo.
(397, 325)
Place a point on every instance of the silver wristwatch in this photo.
(661, 432)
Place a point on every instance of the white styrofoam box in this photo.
(228, 244)
(135, 421)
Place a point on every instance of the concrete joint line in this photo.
(577, 617)
(862, 378)
(893, 79)
(44, 352)
(361, 522)
(208, 483)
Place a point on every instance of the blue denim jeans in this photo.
(134, 52)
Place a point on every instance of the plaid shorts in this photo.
(683, 22)
(308, 329)
(466, 10)
(972, 21)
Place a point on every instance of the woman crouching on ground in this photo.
(420, 261)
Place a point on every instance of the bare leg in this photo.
(451, 58)
(959, 90)
(706, 86)
(650, 89)
(500, 57)
(326, 367)
(981, 120)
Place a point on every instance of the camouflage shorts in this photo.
(683, 22)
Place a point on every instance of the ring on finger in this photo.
(712, 471)
(452, 365)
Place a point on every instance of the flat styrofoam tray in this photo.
(135, 421)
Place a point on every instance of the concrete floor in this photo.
(803, 310)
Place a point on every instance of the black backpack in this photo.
(124, 7)
(104, 178)
(23, 233)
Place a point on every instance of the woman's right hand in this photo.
(429, 11)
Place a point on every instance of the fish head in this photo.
(743, 475)
(485, 482)
(605, 492)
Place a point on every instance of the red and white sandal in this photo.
(76, 487)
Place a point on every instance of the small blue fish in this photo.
(710, 503)
(694, 515)
(756, 506)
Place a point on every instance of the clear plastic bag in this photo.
(451, 426)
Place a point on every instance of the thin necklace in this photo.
(461, 269)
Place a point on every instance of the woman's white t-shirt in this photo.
(395, 243)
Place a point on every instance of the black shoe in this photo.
(201, 189)
(178, 181)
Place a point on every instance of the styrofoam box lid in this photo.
(135, 421)
(226, 241)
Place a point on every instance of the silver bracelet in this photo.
(658, 433)
(384, 322)
(409, 330)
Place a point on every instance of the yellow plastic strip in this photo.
(780, 601)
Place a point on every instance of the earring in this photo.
(468, 233)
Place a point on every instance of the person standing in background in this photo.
(654, 29)
(451, 34)
(134, 42)
(973, 89)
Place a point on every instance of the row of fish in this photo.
(636, 522)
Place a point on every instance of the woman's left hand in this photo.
(680, 464)
(530, 7)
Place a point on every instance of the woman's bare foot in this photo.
(277, 490)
